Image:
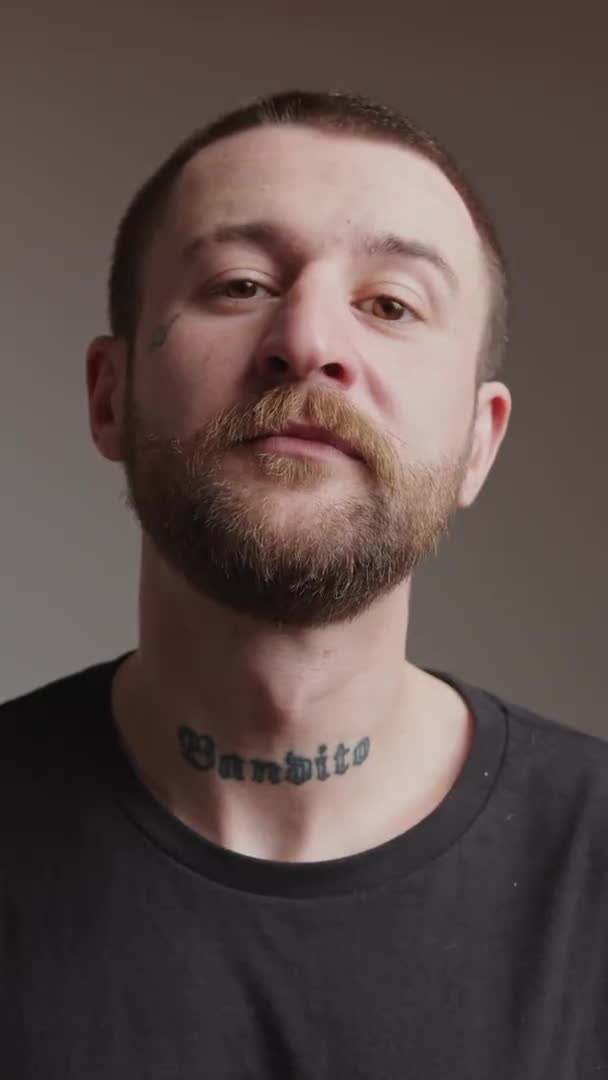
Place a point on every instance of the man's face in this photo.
(245, 329)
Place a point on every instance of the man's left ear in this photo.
(493, 411)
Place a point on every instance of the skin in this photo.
(354, 742)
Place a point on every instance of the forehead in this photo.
(323, 185)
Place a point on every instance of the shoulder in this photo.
(562, 752)
(537, 740)
(556, 775)
(46, 728)
(55, 768)
(42, 700)
(551, 773)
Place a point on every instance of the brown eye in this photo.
(387, 308)
(239, 288)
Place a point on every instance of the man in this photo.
(263, 844)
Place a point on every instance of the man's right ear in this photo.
(106, 375)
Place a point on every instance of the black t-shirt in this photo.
(472, 946)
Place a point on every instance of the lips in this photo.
(314, 434)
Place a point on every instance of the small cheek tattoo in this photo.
(160, 335)
(201, 753)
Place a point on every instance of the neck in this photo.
(294, 745)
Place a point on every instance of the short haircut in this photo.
(331, 111)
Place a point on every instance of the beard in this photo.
(233, 533)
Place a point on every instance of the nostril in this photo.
(277, 363)
(333, 370)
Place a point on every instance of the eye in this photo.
(238, 289)
(391, 310)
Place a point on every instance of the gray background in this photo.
(93, 97)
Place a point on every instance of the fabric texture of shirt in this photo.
(471, 947)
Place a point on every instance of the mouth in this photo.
(311, 435)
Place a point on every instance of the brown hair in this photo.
(329, 111)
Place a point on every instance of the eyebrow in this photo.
(271, 238)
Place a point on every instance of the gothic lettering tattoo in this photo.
(200, 751)
(160, 336)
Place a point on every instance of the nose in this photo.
(308, 340)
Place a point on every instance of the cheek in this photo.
(436, 409)
(191, 377)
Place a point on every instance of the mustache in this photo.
(284, 405)
(272, 410)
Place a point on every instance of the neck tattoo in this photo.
(201, 753)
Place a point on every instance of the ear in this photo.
(493, 411)
(106, 373)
